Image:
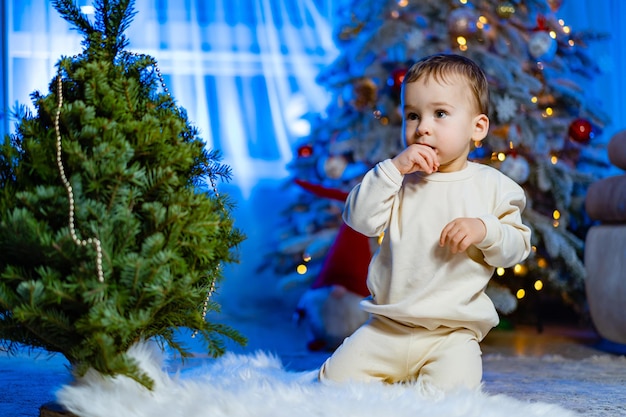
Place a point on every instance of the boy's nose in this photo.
(423, 129)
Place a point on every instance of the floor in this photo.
(32, 380)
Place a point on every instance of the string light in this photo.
(306, 257)
(501, 156)
(301, 269)
(542, 263)
(554, 159)
(500, 271)
(556, 215)
(521, 293)
(538, 285)
(520, 269)
(403, 3)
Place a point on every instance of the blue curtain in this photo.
(243, 69)
(610, 86)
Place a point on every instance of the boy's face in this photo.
(443, 116)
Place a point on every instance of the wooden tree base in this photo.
(54, 410)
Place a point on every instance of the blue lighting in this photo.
(243, 69)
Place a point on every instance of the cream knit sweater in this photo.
(411, 278)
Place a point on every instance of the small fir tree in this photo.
(544, 126)
(109, 232)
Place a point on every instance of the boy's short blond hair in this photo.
(440, 66)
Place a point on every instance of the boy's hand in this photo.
(461, 233)
(415, 158)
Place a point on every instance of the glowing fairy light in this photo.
(500, 271)
(538, 285)
(520, 269)
(301, 269)
(521, 293)
(306, 257)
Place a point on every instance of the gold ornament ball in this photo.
(505, 10)
(365, 92)
(555, 5)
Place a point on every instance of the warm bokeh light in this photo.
(521, 293)
(500, 271)
(301, 269)
(538, 285)
(520, 269)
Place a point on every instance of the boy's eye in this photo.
(412, 116)
(440, 113)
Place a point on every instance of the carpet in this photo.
(259, 385)
(594, 386)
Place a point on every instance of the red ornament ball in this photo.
(396, 78)
(305, 151)
(581, 131)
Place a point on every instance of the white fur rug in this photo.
(259, 386)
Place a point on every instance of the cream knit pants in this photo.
(388, 351)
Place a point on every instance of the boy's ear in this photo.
(481, 127)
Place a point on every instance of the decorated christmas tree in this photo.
(111, 229)
(544, 128)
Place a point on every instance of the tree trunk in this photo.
(54, 410)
